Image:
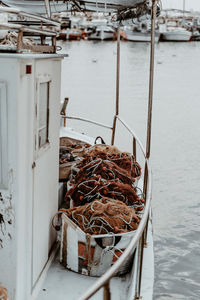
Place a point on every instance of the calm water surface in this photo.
(89, 81)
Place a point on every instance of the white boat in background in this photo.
(129, 34)
(102, 32)
(176, 34)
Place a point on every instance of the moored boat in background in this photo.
(102, 32)
(130, 34)
(176, 34)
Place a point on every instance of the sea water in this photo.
(88, 79)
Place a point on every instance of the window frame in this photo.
(3, 136)
(42, 79)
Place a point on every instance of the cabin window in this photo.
(3, 137)
(42, 111)
(43, 114)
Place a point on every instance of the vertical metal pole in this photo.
(148, 145)
(149, 121)
(117, 86)
(151, 78)
(48, 8)
(183, 12)
(134, 147)
(183, 7)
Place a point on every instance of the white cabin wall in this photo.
(9, 195)
(17, 200)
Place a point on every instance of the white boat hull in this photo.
(177, 36)
(140, 36)
(101, 35)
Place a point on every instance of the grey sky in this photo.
(189, 4)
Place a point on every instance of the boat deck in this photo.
(61, 284)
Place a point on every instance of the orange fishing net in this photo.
(107, 169)
(104, 216)
(96, 188)
(3, 293)
(123, 160)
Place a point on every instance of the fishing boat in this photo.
(30, 192)
(102, 32)
(131, 34)
(174, 31)
(70, 34)
(176, 34)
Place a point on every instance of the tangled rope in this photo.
(97, 188)
(3, 293)
(104, 194)
(11, 39)
(123, 160)
(107, 169)
(104, 216)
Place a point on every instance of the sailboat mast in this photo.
(183, 12)
(48, 8)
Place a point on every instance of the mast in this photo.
(48, 8)
(183, 12)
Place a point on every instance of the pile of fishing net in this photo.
(97, 187)
(104, 193)
(106, 169)
(104, 216)
(3, 293)
(12, 37)
(123, 160)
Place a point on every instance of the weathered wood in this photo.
(20, 40)
(106, 293)
(35, 48)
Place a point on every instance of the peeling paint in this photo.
(6, 218)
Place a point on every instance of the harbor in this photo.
(76, 181)
(171, 25)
